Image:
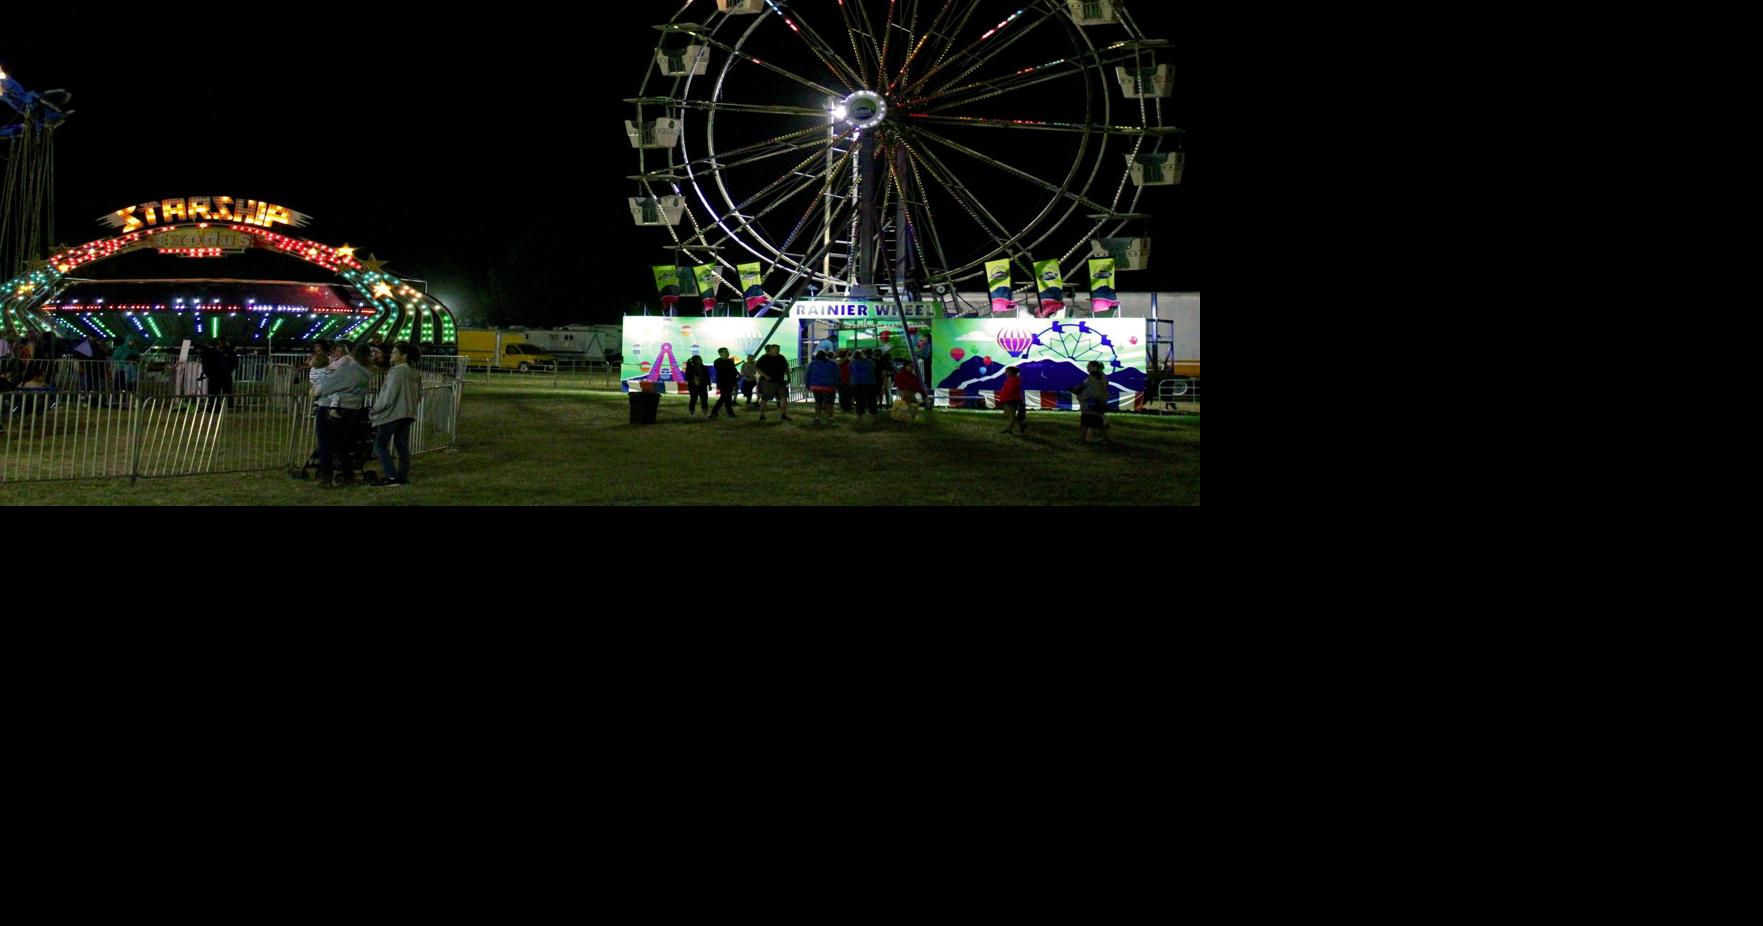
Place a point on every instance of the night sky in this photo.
(462, 153)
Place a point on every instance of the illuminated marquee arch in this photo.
(393, 308)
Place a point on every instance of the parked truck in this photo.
(502, 350)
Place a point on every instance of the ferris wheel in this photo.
(854, 143)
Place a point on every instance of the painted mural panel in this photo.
(1051, 354)
(656, 347)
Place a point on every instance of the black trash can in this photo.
(643, 407)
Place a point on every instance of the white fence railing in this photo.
(47, 433)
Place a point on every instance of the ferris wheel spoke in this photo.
(748, 224)
(1074, 66)
(798, 172)
(719, 160)
(852, 31)
(770, 148)
(830, 219)
(992, 51)
(782, 72)
(918, 46)
(881, 59)
(824, 51)
(1013, 171)
(928, 227)
(987, 89)
(952, 185)
(1044, 126)
(948, 36)
(967, 52)
(913, 228)
(720, 164)
(875, 44)
(714, 106)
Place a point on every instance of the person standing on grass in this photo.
(726, 376)
(863, 383)
(906, 383)
(698, 384)
(749, 376)
(228, 362)
(1010, 400)
(318, 366)
(774, 381)
(884, 375)
(844, 380)
(122, 363)
(823, 381)
(394, 411)
(1094, 396)
(347, 383)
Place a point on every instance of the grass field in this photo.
(523, 443)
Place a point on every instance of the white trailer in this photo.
(584, 342)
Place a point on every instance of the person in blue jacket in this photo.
(823, 381)
(863, 383)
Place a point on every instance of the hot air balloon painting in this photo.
(1015, 341)
(957, 353)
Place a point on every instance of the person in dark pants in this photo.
(884, 376)
(394, 411)
(698, 384)
(348, 382)
(218, 361)
(844, 380)
(774, 382)
(863, 383)
(726, 377)
(749, 376)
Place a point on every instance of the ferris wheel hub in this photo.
(864, 109)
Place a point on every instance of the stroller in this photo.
(360, 450)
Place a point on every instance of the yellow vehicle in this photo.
(502, 350)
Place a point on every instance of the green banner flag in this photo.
(752, 286)
(705, 274)
(998, 284)
(667, 284)
(1102, 285)
(1051, 286)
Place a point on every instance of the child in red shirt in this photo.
(1010, 400)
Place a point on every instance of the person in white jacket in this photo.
(394, 410)
(347, 383)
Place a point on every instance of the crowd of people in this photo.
(344, 406)
(860, 381)
(845, 380)
(25, 362)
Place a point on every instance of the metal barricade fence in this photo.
(450, 367)
(217, 434)
(48, 434)
(437, 418)
(44, 436)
